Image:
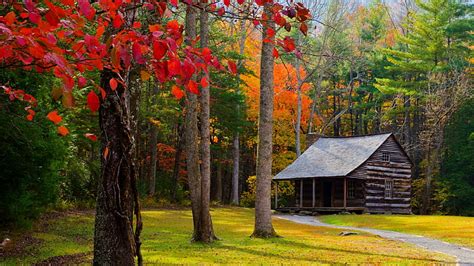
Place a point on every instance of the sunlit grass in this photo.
(454, 229)
(166, 239)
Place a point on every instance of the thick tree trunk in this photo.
(263, 214)
(115, 243)
(191, 136)
(200, 203)
(207, 230)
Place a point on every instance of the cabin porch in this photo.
(322, 195)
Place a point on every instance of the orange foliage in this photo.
(285, 97)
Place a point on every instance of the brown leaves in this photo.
(304, 28)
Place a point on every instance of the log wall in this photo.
(376, 171)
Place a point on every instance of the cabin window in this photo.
(388, 188)
(386, 157)
(351, 189)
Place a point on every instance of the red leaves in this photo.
(91, 136)
(173, 25)
(270, 33)
(52, 18)
(93, 101)
(240, 1)
(117, 21)
(54, 117)
(159, 49)
(31, 115)
(288, 44)
(192, 86)
(177, 92)
(63, 131)
(275, 53)
(304, 28)
(302, 13)
(174, 3)
(221, 11)
(232, 67)
(154, 27)
(10, 18)
(137, 53)
(207, 54)
(81, 82)
(174, 67)
(113, 84)
(227, 2)
(86, 9)
(204, 82)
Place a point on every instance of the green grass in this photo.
(166, 239)
(453, 229)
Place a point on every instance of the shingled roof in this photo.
(333, 156)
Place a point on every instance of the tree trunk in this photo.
(207, 230)
(335, 113)
(263, 214)
(202, 223)
(236, 139)
(191, 136)
(235, 169)
(298, 104)
(177, 160)
(153, 150)
(218, 185)
(117, 197)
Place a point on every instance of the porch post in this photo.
(345, 192)
(301, 193)
(276, 195)
(314, 190)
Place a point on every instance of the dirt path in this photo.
(463, 255)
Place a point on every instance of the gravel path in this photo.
(464, 255)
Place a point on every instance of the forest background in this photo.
(403, 67)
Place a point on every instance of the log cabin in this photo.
(362, 174)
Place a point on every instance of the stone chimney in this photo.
(311, 138)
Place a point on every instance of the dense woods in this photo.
(116, 106)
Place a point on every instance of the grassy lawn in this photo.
(167, 232)
(454, 229)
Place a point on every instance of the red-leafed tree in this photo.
(57, 36)
(54, 36)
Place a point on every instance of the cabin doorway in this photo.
(327, 194)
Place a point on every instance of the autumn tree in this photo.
(263, 216)
(118, 43)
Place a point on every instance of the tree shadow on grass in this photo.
(319, 248)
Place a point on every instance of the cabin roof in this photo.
(333, 156)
